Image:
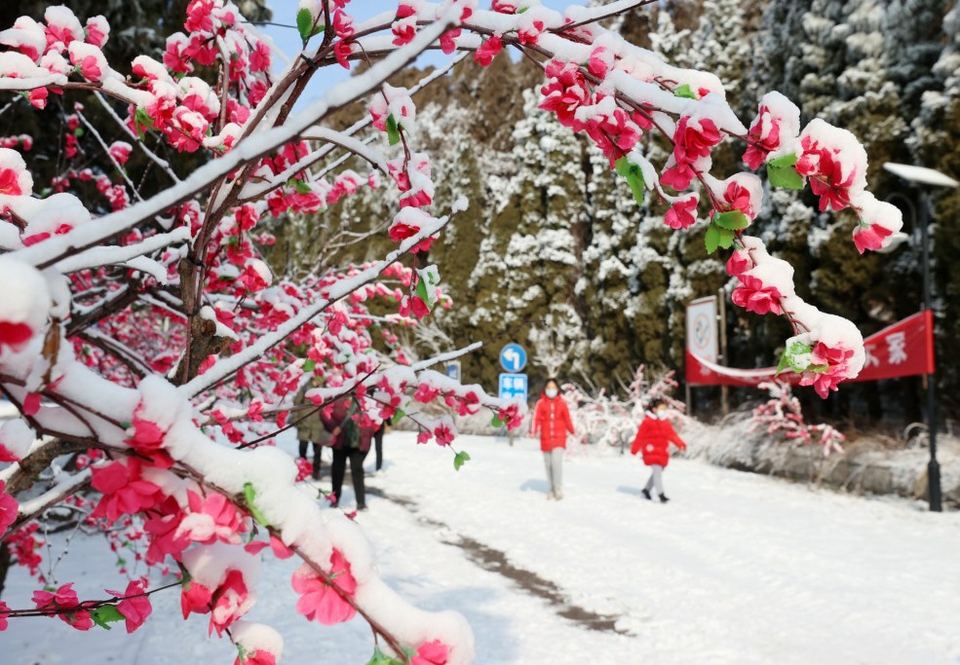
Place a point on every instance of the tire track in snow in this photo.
(495, 561)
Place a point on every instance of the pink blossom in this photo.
(15, 335)
(404, 30)
(448, 40)
(120, 151)
(488, 50)
(424, 436)
(230, 602)
(737, 197)
(565, 91)
(162, 527)
(763, 138)
(426, 393)
(444, 435)
(64, 604)
(433, 652)
(199, 17)
(754, 296)
(824, 167)
(194, 597)
(738, 263)
(256, 657)
(4, 611)
(97, 31)
(124, 491)
(10, 182)
(870, 236)
(342, 50)
(38, 98)
(9, 508)
(683, 213)
(319, 601)
(836, 361)
(135, 606)
(211, 518)
(88, 66)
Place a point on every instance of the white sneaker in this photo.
(558, 495)
(551, 496)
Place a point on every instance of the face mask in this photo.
(661, 414)
(550, 392)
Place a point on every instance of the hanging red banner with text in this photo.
(903, 349)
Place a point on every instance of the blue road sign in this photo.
(513, 358)
(513, 385)
(452, 370)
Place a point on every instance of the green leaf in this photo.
(781, 173)
(301, 187)
(305, 25)
(726, 237)
(105, 615)
(397, 416)
(380, 658)
(460, 459)
(685, 91)
(783, 364)
(732, 220)
(309, 365)
(393, 130)
(79, 132)
(712, 239)
(142, 119)
(496, 422)
(250, 495)
(634, 176)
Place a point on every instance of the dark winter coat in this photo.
(311, 428)
(551, 418)
(654, 438)
(335, 417)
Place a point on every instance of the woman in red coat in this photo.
(654, 438)
(551, 418)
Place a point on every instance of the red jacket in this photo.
(654, 438)
(552, 418)
(335, 415)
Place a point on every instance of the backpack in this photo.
(349, 428)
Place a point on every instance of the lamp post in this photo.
(921, 176)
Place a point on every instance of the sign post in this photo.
(513, 384)
(452, 370)
(701, 337)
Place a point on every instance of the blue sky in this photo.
(286, 38)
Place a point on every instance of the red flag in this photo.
(903, 349)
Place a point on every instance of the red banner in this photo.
(903, 349)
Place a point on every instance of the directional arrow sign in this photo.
(513, 358)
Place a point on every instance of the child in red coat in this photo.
(654, 438)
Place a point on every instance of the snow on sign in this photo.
(513, 386)
(513, 358)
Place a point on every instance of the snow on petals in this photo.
(683, 213)
(319, 601)
(755, 296)
(23, 310)
(211, 518)
(433, 652)
(835, 163)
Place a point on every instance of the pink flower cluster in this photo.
(692, 142)
(752, 294)
(835, 360)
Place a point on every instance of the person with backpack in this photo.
(654, 438)
(551, 418)
(350, 441)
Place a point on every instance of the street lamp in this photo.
(921, 176)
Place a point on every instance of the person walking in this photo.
(378, 444)
(551, 418)
(654, 438)
(350, 441)
(310, 429)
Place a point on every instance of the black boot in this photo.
(663, 498)
(646, 494)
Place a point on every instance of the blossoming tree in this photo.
(145, 337)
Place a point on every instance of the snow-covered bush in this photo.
(143, 334)
(782, 415)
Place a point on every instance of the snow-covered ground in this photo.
(737, 568)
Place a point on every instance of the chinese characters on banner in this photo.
(903, 349)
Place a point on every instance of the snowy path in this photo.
(736, 569)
